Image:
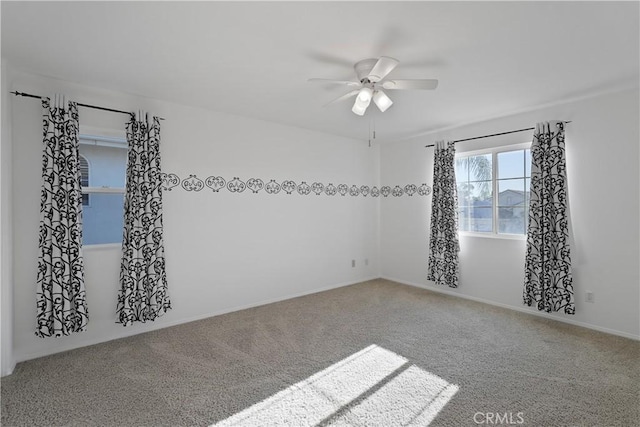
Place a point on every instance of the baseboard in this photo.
(8, 370)
(131, 330)
(261, 303)
(515, 308)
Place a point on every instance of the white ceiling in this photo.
(254, 58)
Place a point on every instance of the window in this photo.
(481, 175)
(103, 194)
(84, 178)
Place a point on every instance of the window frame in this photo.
(116, 142)
(494, 151)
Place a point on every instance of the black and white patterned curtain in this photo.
(548, 279)
(61, 299)
(143, 295)
(443, 243)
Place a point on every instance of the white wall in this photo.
(224, 251)
(6, 232)
(603, 174)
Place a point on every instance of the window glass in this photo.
(102, 223)
(511, 220)
(462, 171)
(463, 218)
(481, 219)
(108, 164)
(511, 164)
(102, 215)
(480, 168)
(511, 192)
(479, 190)
(475, 189)
(478, 209)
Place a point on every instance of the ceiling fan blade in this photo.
(343, 97)
(423, 84)
(383, 67)
(329, 59)
(339, 82)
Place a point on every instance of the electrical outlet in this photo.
(353, 263)
(589, 297)
(366, 261)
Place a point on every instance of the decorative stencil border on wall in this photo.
(255, 185)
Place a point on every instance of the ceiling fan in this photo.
(371, 75)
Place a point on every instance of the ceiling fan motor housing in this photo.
(363, 69)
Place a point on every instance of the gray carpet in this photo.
(375, 353)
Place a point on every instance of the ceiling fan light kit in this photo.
(371, 73)
(382, 101)
(360, 107)
(365, 94)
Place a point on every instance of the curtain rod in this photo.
(28, 95)
(493, 134)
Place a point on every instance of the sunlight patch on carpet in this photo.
(374, 386)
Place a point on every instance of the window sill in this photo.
(102, 246)
(505, 236)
